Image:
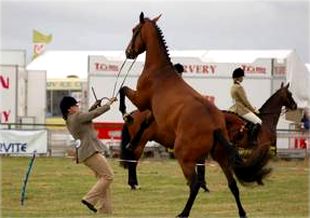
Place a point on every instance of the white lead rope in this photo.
(118, 74)
(127, 73)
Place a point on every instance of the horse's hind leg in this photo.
(194, 184)
(132, 175)
(223, 161)
(201, 174)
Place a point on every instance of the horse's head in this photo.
(287, 97)
(137, 45)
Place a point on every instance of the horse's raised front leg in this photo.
(133, 97)
(122, 105)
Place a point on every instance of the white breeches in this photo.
(252, 118)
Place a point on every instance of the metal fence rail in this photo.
(292, 144)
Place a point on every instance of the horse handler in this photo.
(90, 151)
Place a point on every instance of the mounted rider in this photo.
(242, 105)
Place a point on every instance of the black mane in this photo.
(267, 103)
(162, 41)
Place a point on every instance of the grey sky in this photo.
(106, 25)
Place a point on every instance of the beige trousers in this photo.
(100, 194)
(250, 116)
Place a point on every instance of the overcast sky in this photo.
(107, 25)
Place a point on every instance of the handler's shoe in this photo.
(89, 205)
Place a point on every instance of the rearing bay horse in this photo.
(172, 102)
(142, 130)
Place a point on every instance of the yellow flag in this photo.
(39, 41)
(38, 37)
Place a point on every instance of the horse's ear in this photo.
(156, 18)
(288, 85)
(141, 18)
(281, 85)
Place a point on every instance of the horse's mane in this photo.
(162, 41)
(269, 100)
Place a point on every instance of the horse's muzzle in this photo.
(130, 54)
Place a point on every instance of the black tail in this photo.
(251, 170)
(125, 154)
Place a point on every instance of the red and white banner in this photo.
(23, 141)
(105, 66)
(8, 96)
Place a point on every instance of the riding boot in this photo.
(253, 133)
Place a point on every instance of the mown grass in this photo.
(56, 186)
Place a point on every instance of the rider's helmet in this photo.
(238, 72)
(65, 104)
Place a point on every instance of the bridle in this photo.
(131, 50)
(134, 37)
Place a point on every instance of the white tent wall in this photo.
(212, 79)
(36, 96)
(205, 65)
(21, 92)
(299, 78)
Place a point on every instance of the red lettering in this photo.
(5, 82)
(105, 67)
(253, 69)
(97, 66)
(205, 69)
(213, 68)
(4, 116)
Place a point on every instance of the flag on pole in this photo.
(39, 42)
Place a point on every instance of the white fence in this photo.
(294, 143)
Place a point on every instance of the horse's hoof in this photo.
(181, 216)
(135, 187)
(205, 189)
(260, 182)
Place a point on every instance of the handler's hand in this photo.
(111, 100)
(95, 105)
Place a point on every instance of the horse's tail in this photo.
(125, 154)
(250, 170)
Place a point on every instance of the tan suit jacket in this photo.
(81, 127)
(241, 104)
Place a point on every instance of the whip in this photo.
(23, 192)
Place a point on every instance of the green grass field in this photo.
(56, 186)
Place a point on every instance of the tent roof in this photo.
(60, 64)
